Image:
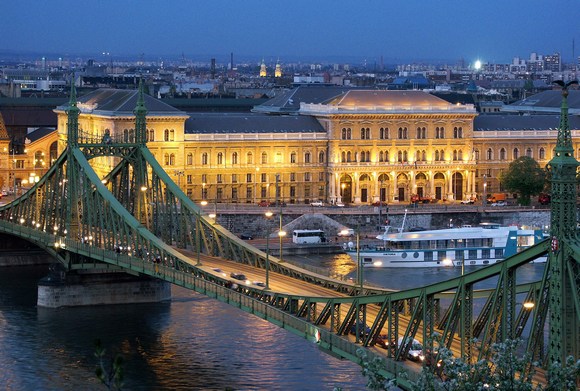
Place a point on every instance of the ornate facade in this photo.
(356, 146)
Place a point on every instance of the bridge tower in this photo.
(563, 271)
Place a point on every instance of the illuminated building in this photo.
(326, 143)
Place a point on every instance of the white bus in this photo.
(308, 236)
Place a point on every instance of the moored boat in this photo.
(483, 245)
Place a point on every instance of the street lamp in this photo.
(484, 190)
(281, 235)
(268, 215)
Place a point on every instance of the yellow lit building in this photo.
(320, 143)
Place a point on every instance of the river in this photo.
(189, 343)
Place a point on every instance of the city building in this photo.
(334, 144)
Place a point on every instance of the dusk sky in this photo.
(399, 30)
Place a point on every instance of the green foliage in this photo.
(525, 177)
(371, 370)
(111, 373)
(564, 378)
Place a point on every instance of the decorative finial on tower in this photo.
(564, 143)
(140, 116)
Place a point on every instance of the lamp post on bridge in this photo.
(268, 215)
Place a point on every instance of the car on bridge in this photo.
(363, 329)
(238, 276)
(415, 351)
(317, 203)
(383, 341)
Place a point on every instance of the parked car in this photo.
(259, 283)
(264, 203)
(246, 237)
(499, 203)
(317, 203)
(468, 201)
(544, 199)
(415, 351)
(339, 204)
(238, 276)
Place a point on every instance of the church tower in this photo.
(263, 69)
(278, 70)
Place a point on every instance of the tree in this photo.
(525, 177)
(111, 373)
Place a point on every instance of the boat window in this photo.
(415, 254)
(472, 254)
(404, 255)
(499, 252)
(460, 243)
(441, 255)
(485, 253)
(441, 244)
(428, 255)
(459, 254)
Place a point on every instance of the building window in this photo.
(476, 154)
(293, 157)
(166, 159)
(421, 133)
(234, 178)
(151, 135)
(220, 158)
(502, 154)
(248, 194)
(346, 133)
(292, 191)
(264, 191)
(489, 154)
(306, 177)
(321, 176)
(249, 158)
(189, 159)
(219, 194)
(189, 179)
(234, 193)
(264, 178)
(292, 177)
(306, 191)
(542, 153)
(219, 178)
(440, 132)
(248, 178)
(166, 135)
(264, 158)
(384, 133)
(365, 134)
(321, 157)
(321, 191)
(172, 159)
(458, 132)
(516, 153)
(234, 158)
(204, 158)
(307, 157)
(204, 178)
(403, 133)
(529, 153)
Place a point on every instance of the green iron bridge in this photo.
(81, 219)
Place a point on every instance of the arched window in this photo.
(400, 156)
(454, 154)
(436, 156)
(421, 132)
(365, 134)
(235, 158)
(264, 158)
(516, 153)
(321, 157)
(39, 159)
(307, 157)
(403, 133)
(172, 159)
(189, 160)
(440, 132)
(343, 157)
(542, 153)
(249, 158)
(384, 133)
(166, 135)
(489, 154)
(458, 132)
(476, 154)
(166, 159)
(220, 158)
(442, 154)
(151, 135)
(126, 135)
(348, 157)
(204, 158)
(460, 155)
(346, 133)
(502, 154)
(529, 152)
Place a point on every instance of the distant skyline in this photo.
(363, 31)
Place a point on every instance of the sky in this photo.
(308, 30)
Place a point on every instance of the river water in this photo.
(189, 343)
